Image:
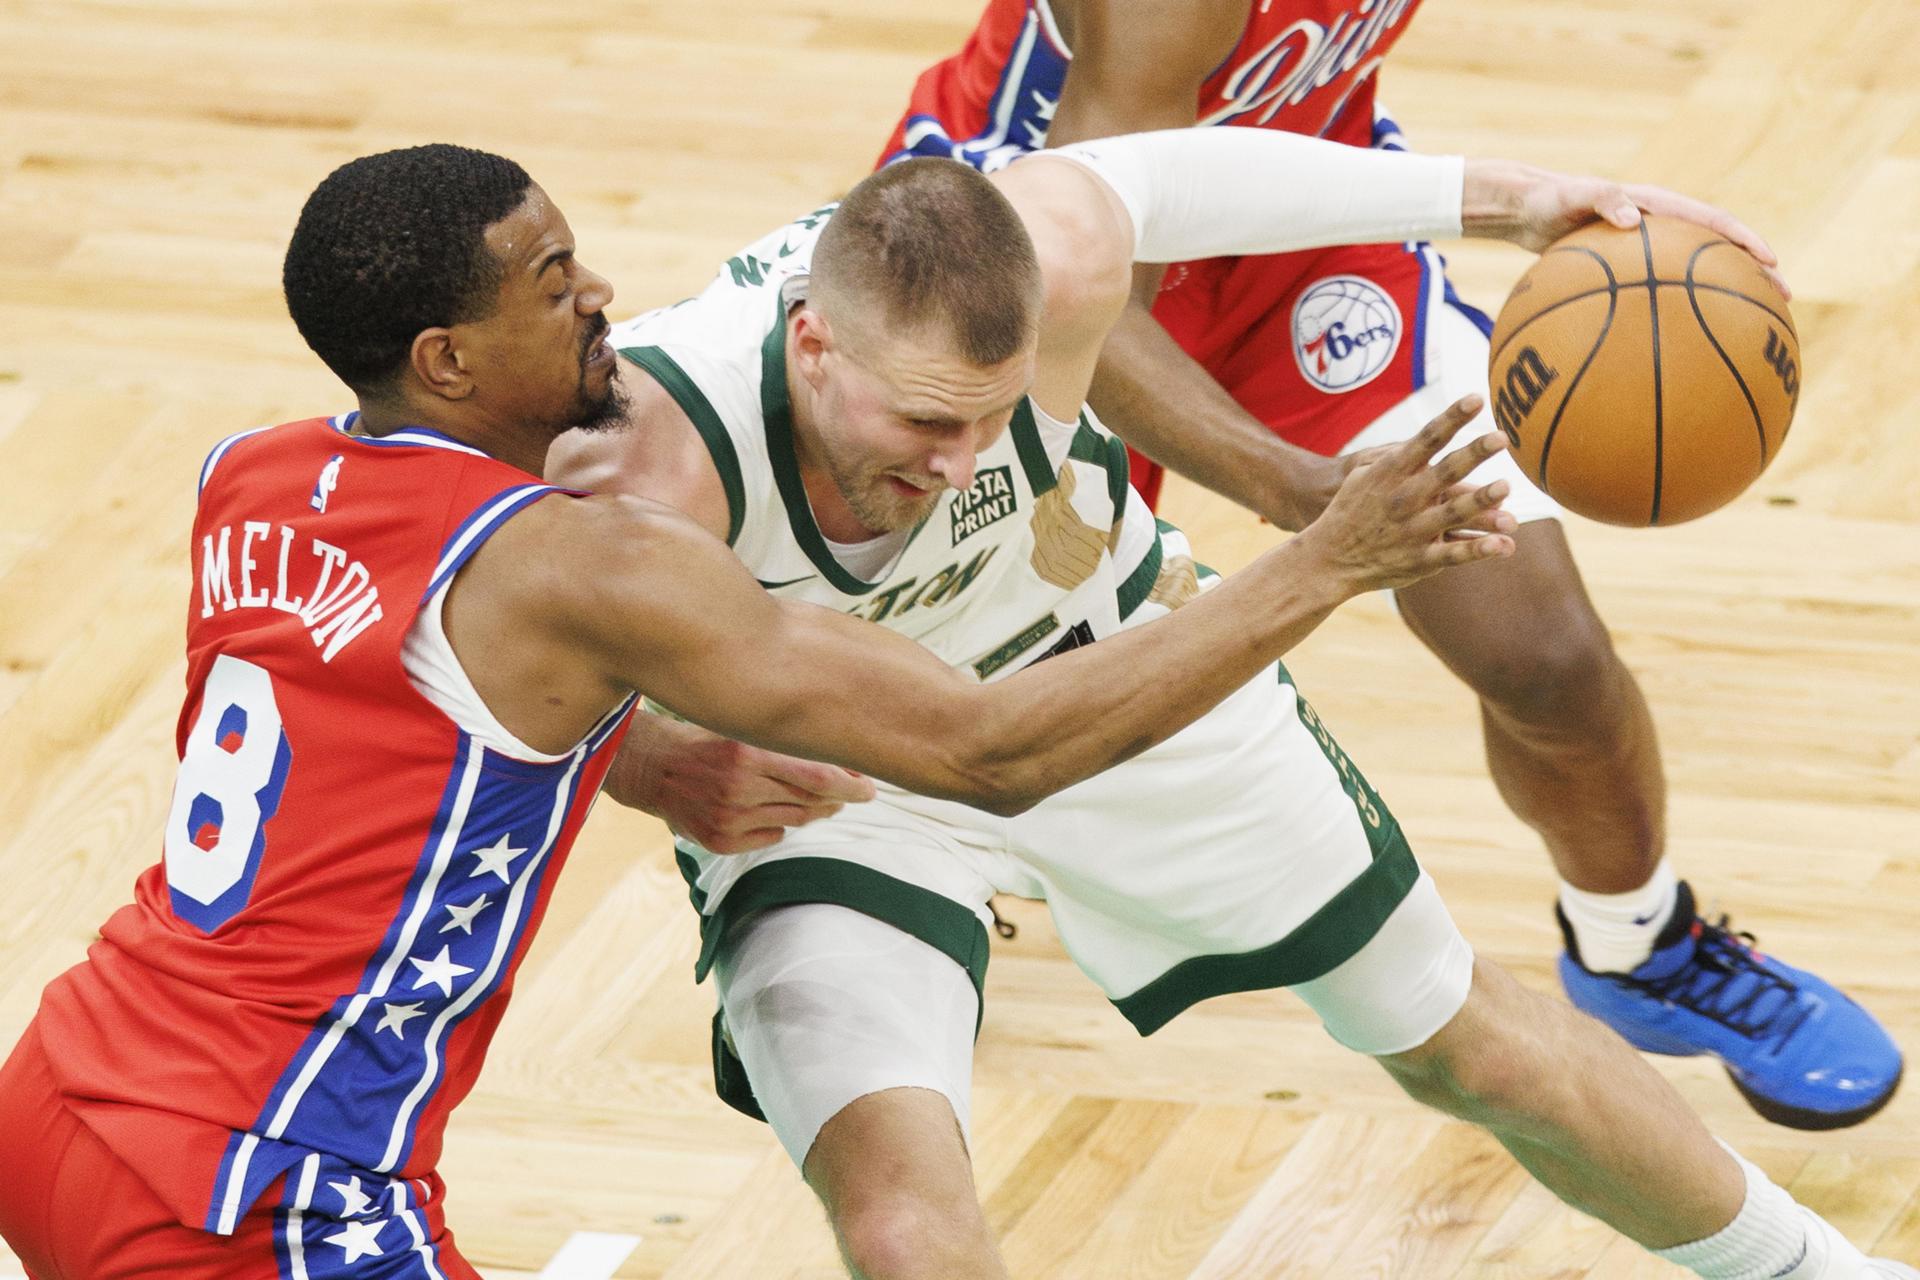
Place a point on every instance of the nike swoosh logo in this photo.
(775, 586)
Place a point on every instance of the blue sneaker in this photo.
(1802, 1053)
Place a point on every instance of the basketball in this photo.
(1644, 377)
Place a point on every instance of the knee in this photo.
(1563, 674)
(1486, 1065)
(900, 1235)
(888, 1236)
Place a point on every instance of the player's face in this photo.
(903, 418)
(541, 357)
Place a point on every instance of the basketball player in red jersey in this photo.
(410, 664)
(1260, 378)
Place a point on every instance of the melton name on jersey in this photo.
(1046, 550)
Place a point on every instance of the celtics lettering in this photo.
(935, 590)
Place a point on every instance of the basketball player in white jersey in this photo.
(857, 405)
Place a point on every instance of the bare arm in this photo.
(1161, 401)
(1142, 69)
(650, 602)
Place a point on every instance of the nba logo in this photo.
(1345, 331)
(324, 486)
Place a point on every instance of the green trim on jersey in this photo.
(941, 923)
(777, 412)
(1031, 448)
(1088, 445)
(1119, 475)
(1138, 585)
(706, 420)
(1327, 939)
(1104, 451)
(1204, 571)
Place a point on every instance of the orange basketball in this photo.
(1644, 377)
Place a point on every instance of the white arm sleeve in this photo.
(1208, 193)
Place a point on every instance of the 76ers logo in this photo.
(1345, 331)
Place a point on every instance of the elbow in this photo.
(1088, 290)
(1007, 801)
(1086, 265)
(987, 767)
(1002, 781)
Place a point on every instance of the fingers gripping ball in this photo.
(1644, 377)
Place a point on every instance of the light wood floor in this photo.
(153, 154)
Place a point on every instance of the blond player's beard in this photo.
(871, 499)
(883, 511)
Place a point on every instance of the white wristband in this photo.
(1214, 192)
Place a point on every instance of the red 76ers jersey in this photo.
(349, 879)
(1303, 66)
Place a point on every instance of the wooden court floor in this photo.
(153, 154)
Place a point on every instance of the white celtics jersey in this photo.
(1047, 550)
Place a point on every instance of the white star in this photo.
(354, 1201)
(395, 1019)
(463, 916)
(439, 971)
(497, 858)
(358, 1239)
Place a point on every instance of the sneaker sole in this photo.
(1801, 1118)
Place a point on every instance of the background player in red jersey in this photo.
(409, 665)
(1260, 377)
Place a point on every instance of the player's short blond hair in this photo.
(930, 242)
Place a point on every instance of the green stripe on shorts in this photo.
(941, 923)
(1327, 939)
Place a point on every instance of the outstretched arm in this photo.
(653, 603)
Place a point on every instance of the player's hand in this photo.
(1309, 485)
(1533, 207)
(1400, 516)
(727, 796)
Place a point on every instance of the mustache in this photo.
(599, 329)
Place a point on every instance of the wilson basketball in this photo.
(1644, 377)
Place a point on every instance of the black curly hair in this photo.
(391, 244)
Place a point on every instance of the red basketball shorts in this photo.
(72, 1210)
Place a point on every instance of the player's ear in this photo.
(438, 364)
(812, 339)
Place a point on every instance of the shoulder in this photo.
(658, 454)
(570, 558)
(263, 444)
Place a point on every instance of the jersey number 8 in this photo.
(231, 776)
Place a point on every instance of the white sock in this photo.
(1773, 1237)
(1830, 1255)
(1615, 931)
